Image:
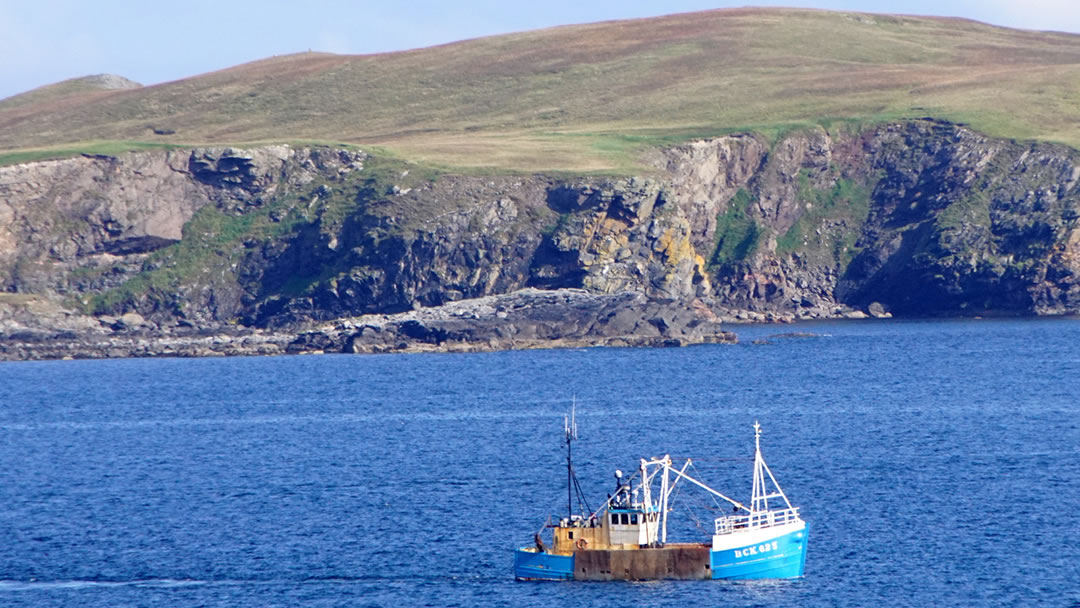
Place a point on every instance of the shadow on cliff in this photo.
(552, 266)
(916, 262)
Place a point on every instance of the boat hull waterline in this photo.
(780, 554)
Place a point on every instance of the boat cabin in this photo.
(623, 523)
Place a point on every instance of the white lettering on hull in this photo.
(757, 549)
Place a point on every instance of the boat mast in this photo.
(570, 427)
(664, 492)
(572, 484)
(646, 487)
(759, 499)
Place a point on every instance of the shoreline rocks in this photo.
(34, 328)
(524, 319)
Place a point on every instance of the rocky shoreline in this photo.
(525, 319)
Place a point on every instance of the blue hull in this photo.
(530, 565)
(781, 557)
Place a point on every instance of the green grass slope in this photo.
(589, 97)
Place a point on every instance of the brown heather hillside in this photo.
(72, 87)
(590, 97)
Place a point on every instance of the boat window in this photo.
(625, 518)
(614, 518)
(633, 519)
(570, 535)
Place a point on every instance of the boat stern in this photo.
(531, 564)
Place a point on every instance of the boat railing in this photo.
(757, 519)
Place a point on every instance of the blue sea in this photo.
(937, 463)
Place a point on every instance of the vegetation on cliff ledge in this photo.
(825, 228)
(215, 241)
(737, 233)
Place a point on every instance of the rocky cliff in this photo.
(915, 218)
(923, 218)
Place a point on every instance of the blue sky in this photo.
(46, 41)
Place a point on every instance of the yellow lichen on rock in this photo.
(701, 276)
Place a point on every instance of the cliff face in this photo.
(919, 218)
(924, 218)
(85, 224)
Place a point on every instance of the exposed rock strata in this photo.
(916, 218)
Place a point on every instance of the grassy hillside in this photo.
(588, 97)
(67, 88)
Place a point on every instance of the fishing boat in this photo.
(626, 538)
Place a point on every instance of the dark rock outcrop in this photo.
(527, 318)
(534, 318)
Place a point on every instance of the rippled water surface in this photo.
(938, 463)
